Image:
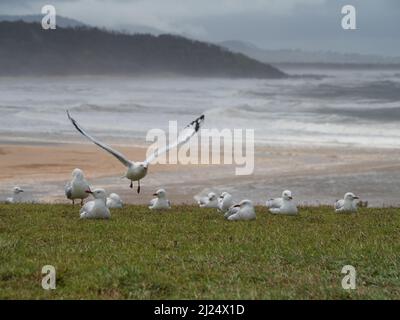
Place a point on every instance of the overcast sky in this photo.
(272, 24)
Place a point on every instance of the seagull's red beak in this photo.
(89, 191)
(236, 205)
(155, 194)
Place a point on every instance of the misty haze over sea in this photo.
(355, 107)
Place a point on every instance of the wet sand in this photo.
(314, 174)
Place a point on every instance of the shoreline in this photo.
(316, 175)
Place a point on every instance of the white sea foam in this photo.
(346, 107)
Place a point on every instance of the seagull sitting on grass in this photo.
(161, 202)
(138, 170)
(210, 201)
(347, 203)
(277, 202)
(231, 211)
(287, 205)
(77, 187)
(225, 201)
(97, 208)
(114, 201)
(245, 211)
(17, 196)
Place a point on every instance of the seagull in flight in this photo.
(138, 170)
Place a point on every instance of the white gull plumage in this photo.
(77, 187)
(244, 211)
(210, 201)
(347, 203)
(277, 202)
(114, 201)
(96, 209)
(17, 196)
(231, 211)
(160, 202)
(274, 203)
(225, 201)
(286, 204)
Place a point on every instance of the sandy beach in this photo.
(314, 174)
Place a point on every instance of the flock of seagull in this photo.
(99, 208)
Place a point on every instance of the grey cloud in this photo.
(305, 24)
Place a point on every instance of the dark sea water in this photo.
(355, 107)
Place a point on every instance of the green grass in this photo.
(192, 253)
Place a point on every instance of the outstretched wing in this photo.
(115, 153)
(184, 136)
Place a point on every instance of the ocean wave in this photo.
(132, 108)
(121, 107)
(378, 91)
(384, 114)
(339, 109)
(11, 108)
